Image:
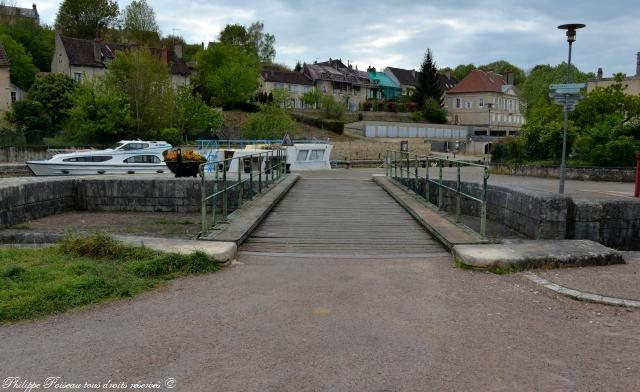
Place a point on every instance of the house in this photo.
(631, 83)
(407, 79)
(296, 83)
(344, 82)
(488, 101)
(387, 88)
(9, 14)
(9, 93)
(84, 59)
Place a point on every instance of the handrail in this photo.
(204, 144)
(271, 165)
(397, 161)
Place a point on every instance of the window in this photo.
(96, 158)
(77, 76)
(13, 97)
(469, 104)
(142, 159)
(458, 103)
(481, 102)
(135, 146)
(316, 155)
(302, 155)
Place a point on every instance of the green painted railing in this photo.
(401, 166)
(219, 178)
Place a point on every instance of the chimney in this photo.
(177, 48)
(97, 50)
(164, 55)
(599, 73)
(509, 77)
(638, 64)
(413, 73)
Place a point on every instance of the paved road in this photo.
(337, 323)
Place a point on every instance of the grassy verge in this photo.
(84, 270)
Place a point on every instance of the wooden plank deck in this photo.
(340, 216)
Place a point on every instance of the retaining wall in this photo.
(615, 174)
(23, 154)
(544, 215)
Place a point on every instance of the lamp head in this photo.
(571, 30)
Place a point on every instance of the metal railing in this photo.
(258, 169)
(405, 166)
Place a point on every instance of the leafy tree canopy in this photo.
(193, 118)
(38, 41)
(535, 87)
(502, 67)
(462, 70)
(227, 74)
(253, 40)
(22, 71)
(86, 18)
(55, 93)
(31, 118)
(140, 24)
(270, 123)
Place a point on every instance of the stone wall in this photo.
(545, 215)
(23, 154)
(24, 201)
(363, 149)
(615, 174)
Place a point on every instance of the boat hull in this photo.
(45, 168)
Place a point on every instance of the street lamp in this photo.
(571, 38)
(489, 106)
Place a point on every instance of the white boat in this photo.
(301, 156)
(125, 157)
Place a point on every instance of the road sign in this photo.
(567, 85)
(567, 91)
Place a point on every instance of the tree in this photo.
(502, 67)
(270, 123)
(542, 134)
(227, 74)
(145, 81)
(433, 112)
(428, 85)
(282, 98)
(253, 40)
(86, 18)
(332, 109)
(193, 118)
(298, 67)
(312, 98)
(55, 93)
(535, 87)
(140, 24)
(31, 118)
(101, 114)
(22, 71)
(461, 71)
(38, 41)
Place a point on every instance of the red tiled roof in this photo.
(479, 82)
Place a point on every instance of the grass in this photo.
(493, 269)
(84, 270)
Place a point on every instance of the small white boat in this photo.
(125, 157)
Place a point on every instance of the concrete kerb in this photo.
(580, 295)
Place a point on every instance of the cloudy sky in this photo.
(397, 33)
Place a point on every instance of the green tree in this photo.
(193, 118)
(433, 112)
(270, 122)
(332, 109)
(253, 40)
(55, 93)
(145, 81)
(22, 71)
(502, 67)
(140, 24)
(542, 134)
(282, 98)
(86, 18)
(38, 41)
(227, 74)
(535, 87)
(312, 98)
(428, 85)
(462, 70)
(101, 114)
(298, 67)
(31, 118)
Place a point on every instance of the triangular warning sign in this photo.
(286, 140)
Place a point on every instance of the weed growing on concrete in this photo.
(84, 270)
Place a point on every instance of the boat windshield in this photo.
(116, 146)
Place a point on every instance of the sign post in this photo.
(637, 193)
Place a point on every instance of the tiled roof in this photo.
(286, 77)
(409, 77)
(335, 70)
(4, 59)
(81, 53)
(17, 11)
(479, 81)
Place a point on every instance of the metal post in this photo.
(224, 191)
(214, 199)
(251, 178)
(408, 169)
(260, 172)
(483, 206)
(440, 164)
(637, 193)
(416, 170)
(458, 194)
(273, 174)
(203, 202)
(566, 125)
(395, 164)
(426, 181)
(240, 186)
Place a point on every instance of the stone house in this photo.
(9, 14)
(407, 79)
(631, 83)
(84, 59)
(343, 82)
(487, 101)
(9, 93)
(296, 83)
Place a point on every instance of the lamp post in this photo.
(489, 106)
(571, 38)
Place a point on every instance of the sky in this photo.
(397, 33)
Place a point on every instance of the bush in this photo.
(434, 113)
(270, 123)
(329, 125)
(172, 136)
(332, 109)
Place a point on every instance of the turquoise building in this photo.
(387, 88)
